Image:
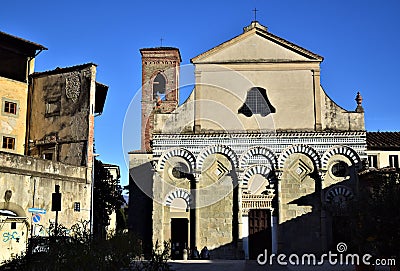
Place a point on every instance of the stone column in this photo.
(245, 233)
(277, 208)
(240, 244)
(274, 232)
(194, 212)
(324, 235)
(240, 214)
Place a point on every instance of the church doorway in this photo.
(259, 232)
(179, 237)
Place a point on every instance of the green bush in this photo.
(76, 250)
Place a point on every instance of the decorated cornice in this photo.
(247, 149)
(259, 134)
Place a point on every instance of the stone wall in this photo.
(216, 207)
(32, 182)
(307, 203)
(298, 214)
(212, 219)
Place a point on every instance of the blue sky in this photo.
(359, 40)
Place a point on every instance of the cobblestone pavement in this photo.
(241, 265)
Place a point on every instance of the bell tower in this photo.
(160, 82)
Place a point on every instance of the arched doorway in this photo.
(179, 227)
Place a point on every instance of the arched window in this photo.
(256, 103)
(159, 86)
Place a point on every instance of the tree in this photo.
(376, 215)
(107, 198)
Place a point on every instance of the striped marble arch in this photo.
(341, 150)
(253, 170)
(185, 154)
(299, 148)
(177, 193)
(255, 151)
(222, 149)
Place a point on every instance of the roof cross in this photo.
(161, 40)
(255, 14)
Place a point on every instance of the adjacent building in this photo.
(47, 133)
(383, 149)
(17, 57)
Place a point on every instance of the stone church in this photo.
(258, 156)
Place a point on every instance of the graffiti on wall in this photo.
(43, 231)
(8, 236)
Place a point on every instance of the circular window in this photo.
(179, 171)
(340, 169)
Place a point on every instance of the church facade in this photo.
(258, 157)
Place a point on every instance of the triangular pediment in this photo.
(256, 45)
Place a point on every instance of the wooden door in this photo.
(259, 232)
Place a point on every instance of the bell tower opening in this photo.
(159, 87)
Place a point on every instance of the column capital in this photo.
(322, 174)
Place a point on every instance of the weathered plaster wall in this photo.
(179, 121)
(32, 182)
(13, 237)
(336, 118)
(70, 131)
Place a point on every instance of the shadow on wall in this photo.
(314, 232)
(139, 216)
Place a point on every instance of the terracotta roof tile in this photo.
(63, 70)
(4, 36)
(383, 140)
